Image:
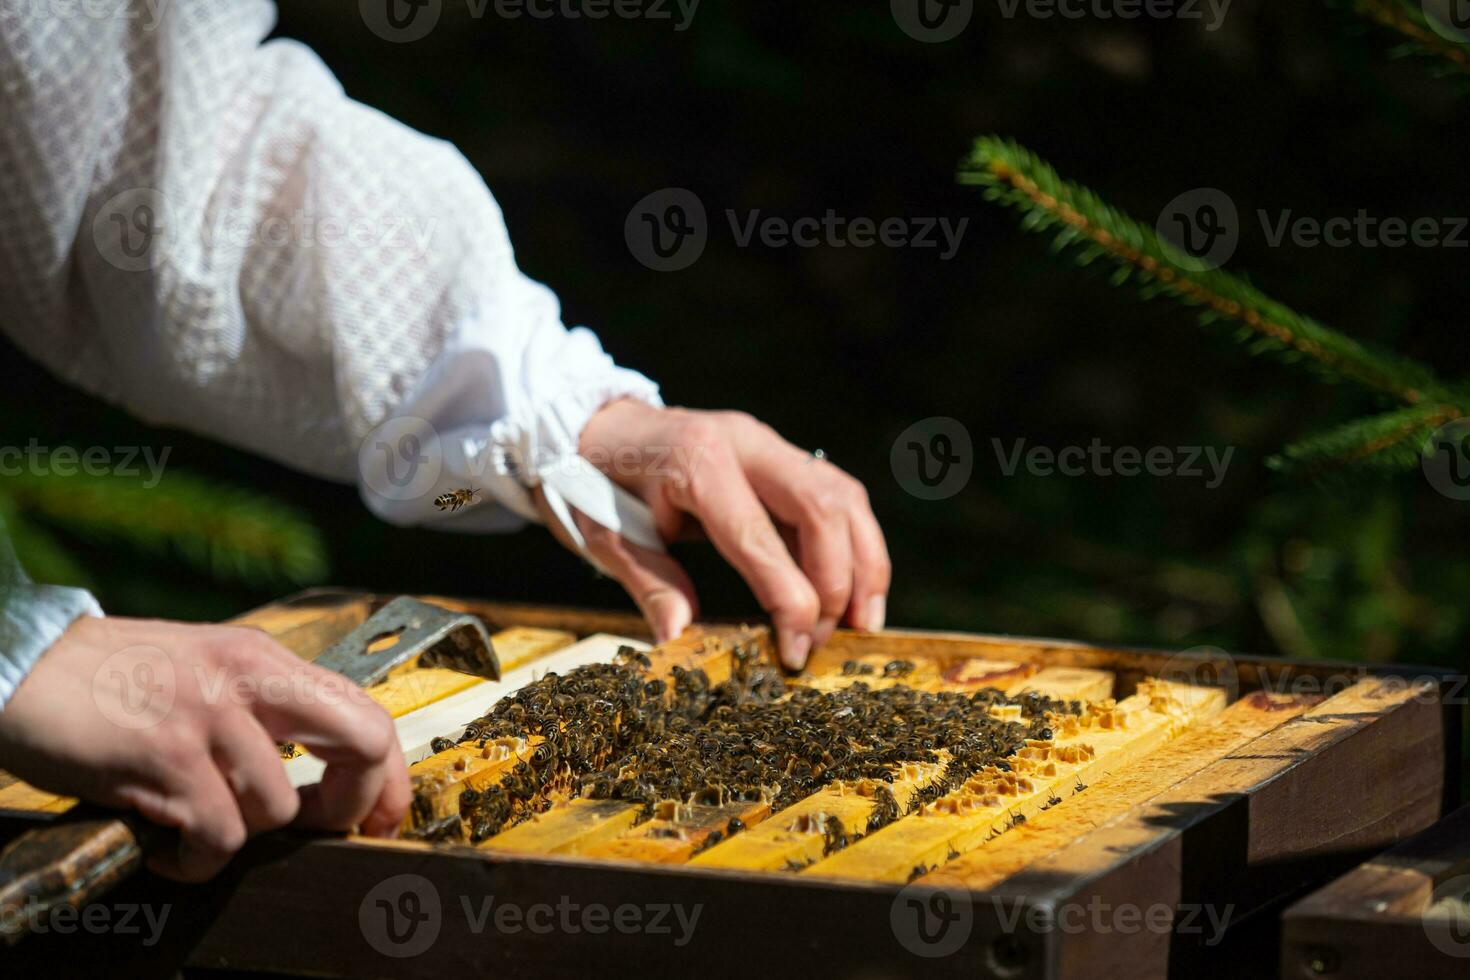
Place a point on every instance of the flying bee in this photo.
(455, 499)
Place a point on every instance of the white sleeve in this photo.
(203, 228)
(32, 617)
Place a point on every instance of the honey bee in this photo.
(455, 499)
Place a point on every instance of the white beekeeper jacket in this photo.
(202, 228)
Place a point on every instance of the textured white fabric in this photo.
(32, 617)
(204, 229)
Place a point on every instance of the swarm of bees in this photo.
(455, 499)
(610, 731)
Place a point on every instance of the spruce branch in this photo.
(1409, 19)
(1079, 220)
(1381, 444)
(222, 531)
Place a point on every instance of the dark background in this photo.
(798, 108)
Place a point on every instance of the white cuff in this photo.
(469, 425)
(32, 618)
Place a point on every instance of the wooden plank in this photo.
(1117, 793)
(1103, 739)
(19, 795)
(1247, 771)
(804, 831)
(964, 675)
(1403, 913)
(1224, 838)
(681, 832)
(921, 674)
(570, 827)
(1069, 684)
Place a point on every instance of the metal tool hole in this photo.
(383, 641)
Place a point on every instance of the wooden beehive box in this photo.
(1159, 833)
(1403, 913)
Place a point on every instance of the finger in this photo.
(816, 503)
(740, 529)
(385, 817)
(337, 722)
(200, 805)
(801, 488)
(872, 569)
(251, 765)
(371, 801)
(657, 583)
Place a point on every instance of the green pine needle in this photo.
(1379, 445)
(1409, 19)
(1078, 219)
(227, 533)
